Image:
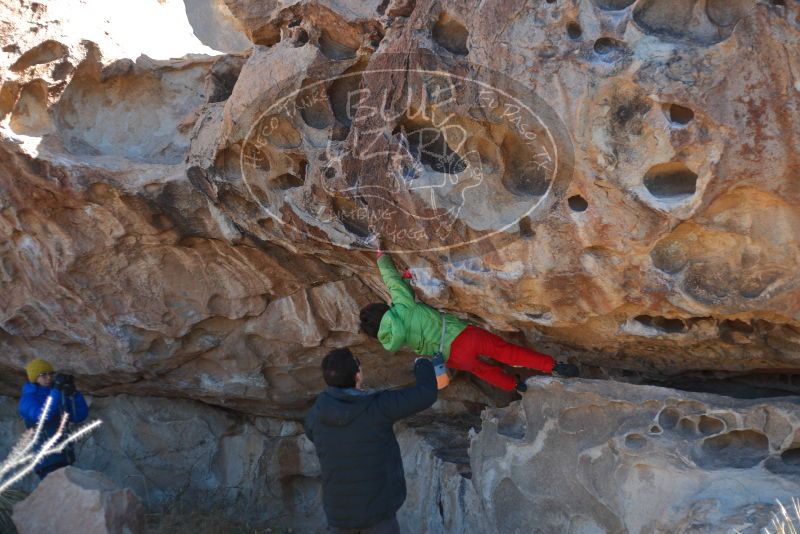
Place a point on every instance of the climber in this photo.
(43, 383)
(408, 323)
(363, 483)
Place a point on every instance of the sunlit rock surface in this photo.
(142, 233)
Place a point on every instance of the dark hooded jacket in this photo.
(363, 482)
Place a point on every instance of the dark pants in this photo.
(388, 526)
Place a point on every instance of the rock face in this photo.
(165, 231)
(176, 453)
(87, 502)
(588, 456)
(571, 456)
(256, 471)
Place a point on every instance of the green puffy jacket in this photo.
(413, 324)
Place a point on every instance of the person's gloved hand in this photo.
(407, 274)
(64, 383)
(565, 370)
(58, 381)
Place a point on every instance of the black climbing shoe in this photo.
(521, 386)
(565, 370)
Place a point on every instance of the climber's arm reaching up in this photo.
(399, 290)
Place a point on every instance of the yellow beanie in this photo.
(37, 367)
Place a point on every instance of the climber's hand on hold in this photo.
(376, 240)
(407, 274)
(565, 370)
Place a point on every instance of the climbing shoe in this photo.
(521, 386)
(565, 370)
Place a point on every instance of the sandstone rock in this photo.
(161, 235)
(571, 456)
(441, 496)
(175, 453)
(600, 456)
(70, 499)
(135, 241)
(612, 259)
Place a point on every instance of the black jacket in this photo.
(362, 472)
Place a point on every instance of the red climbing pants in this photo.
(474, 342)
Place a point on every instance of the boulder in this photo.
(602, 456)
(74, 500)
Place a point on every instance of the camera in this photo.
(65, 383)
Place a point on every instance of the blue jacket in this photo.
(30, 408)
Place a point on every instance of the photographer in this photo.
(43, 383)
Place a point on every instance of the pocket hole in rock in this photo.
(608, 49)
(347, 212)
(737, 448)
(287, 181)
(522, 176)
(788, 463)
(525, 229)
(299, 37)
(344, 94)
(635, 441)
(655, 429)
(666, 325)
(668, 418)
(267, 36)
(738, 326)
(687, 427)
(577, 203)
(333, 49)
(710, 425)
(574, 30)
(430, 145)
(451, 35)
(679, 115)
(222, 78)
(312, 101)
(670, 180)
(613, 5)
(791, 456)
(512, 425)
